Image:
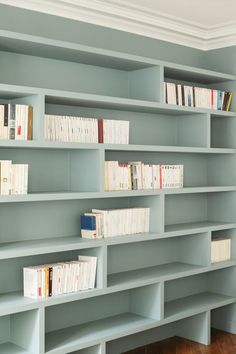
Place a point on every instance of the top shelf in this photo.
(63, 50)
(201, 76)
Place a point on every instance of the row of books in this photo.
(137, 175)
(184, 95)
(220, 249)
(16, 122)
(49, 280)
(85, 130)
(13, 178)
(114, 222)
(113, 131)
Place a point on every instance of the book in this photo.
(220, 249)
(137, 175)
(16, 122)
(117, 222)
(201, 97)
(60, 278)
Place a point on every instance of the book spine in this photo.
(100, 131)
(12, 118)
(30, 123)
(50, 280)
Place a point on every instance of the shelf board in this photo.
(36, 144)
(44, 246)
(201, 76)
(58, 145)
(165, 148)
(190, 305)
(11, 348)
(15, 302)
(191, 190)
(173, 109)
(51, 196)
(101, 101)
(91, 333)
(69, 51)
(123, 103)
(17, 42)
(162, 272)
(62, 244)
(196, 227)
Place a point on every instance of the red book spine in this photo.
(100, 131)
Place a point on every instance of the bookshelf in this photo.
(162, 283)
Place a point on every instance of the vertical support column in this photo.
(195, 328)
(208, 247)
(161, 84)
(162, 300)
(208, 130)
(101, 153)
(27, 330)
(102, 348)
(162, 213)
(42, 330)
(104, 267)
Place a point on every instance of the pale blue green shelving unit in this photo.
(149, 286)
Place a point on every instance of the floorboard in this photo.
(221, 343)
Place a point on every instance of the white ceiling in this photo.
(202, 24)
(203, 12)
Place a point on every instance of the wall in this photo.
(35, 23)
(223, 59)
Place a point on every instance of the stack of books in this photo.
(220, 249)
(16, 122)
(13, 178)
(113, 131)
(137, 175)
(70, 129)
(184, 95)
(114, 222)
(48, 280)
(85, 130)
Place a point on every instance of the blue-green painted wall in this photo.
(223, 59)
(35, 23)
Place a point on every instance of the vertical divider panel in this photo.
(102, 279)
(41, 330)
(208, 250)
(208, 130)
(161, 84)
(146, 301)
(162, 213)
(40, 117)
(26, 330)
(102, 348)
(196, 328)
(162, 300)
(101, 169)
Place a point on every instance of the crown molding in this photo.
(136, 19)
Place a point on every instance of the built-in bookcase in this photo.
(148, 286)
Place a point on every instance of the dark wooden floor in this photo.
(222, 343)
